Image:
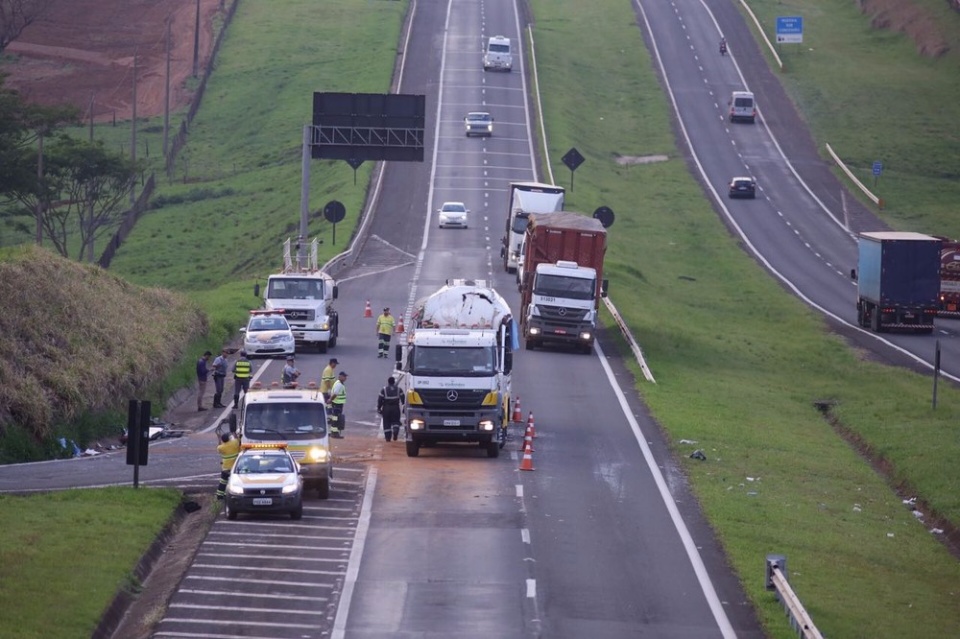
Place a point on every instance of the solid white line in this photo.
(356, 556)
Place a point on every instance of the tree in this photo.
(16, 15)
(81, 195)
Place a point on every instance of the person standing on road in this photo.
(327, 379)
(385, 324)
(242, 372)
(202, 373)
(388, 406)
(338, 401)
(219, 376)
(228, 449)
(290, 373)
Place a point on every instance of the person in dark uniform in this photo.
(389, 404)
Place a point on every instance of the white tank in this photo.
(468, 304)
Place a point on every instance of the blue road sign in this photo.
(877, 168)
(790, 29)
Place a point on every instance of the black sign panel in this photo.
(572, 159)
(605, 215)
(368, 126)
(334, 211)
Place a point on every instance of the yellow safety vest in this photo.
(327, 379)
(385, 324)
(242, 369)
(228, 453)
(341, 396)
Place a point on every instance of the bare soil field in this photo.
(83, 51)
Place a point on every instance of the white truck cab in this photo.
(305, 294)
(498, 56)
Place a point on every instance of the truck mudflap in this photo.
(899, 319)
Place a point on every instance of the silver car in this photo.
(479, 123)
(268, 334)
(453, 214)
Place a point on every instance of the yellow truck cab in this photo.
(295, 416)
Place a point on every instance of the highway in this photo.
(602, 539)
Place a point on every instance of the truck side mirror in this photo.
(508, 362)
(398, 354)
(853, 274)
(604, 286)
(336, 291)
(256, 290)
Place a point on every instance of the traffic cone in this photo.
(368, 312)
(517, 415)
(527, 462)
(530, 426)
(528, 439)
(400, 328)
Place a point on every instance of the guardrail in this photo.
(843, 167)
(776, 580)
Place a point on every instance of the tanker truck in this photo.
(456, 368)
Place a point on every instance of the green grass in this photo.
(64, 556)
(870, 95)
(739, 365)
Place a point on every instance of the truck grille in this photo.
(299, 314)
(561, 316)
(449, 399)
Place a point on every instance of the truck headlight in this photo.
(317, 454)
(585, 335)
(534, 330)
(487, 426)
(417, 424)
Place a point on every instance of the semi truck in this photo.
(526, 198)
(296, 417)
(949, 278)
(898, 281)
(456, 368)
(561, 279)
(305, 295)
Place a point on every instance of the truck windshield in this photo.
(295, 288)
(459, 361)
(520, 223)
(574, 288)
(283, 422)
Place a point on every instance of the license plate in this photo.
(262, 501)
(908, 316)
(560, 331)
(451, 422)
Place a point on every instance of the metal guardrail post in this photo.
(775, 579)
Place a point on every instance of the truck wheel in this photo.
(333, 340)
(875, 320)
(323, 490)
(297, 513)
(413, 449)
(493, 449)
(529, 345)
(321, 347)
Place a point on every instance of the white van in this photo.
(742, 107)
(498, 56)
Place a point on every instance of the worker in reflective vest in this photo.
(242, 372)
(338, 400)
(327, 379)
(229, 449)
(385, 324)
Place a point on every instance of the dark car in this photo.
(478, 123)
(743, 187)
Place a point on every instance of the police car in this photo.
(265, 479)
(268, 334)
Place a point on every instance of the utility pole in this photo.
(166, 98)
(133, 128)
(196, 43)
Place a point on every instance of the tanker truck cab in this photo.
(295, 417)
(456, 368)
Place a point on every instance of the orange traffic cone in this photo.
(517, 415)
(527, 462)
(528, 440)
(400, 328)
(530, 426)
(368, 312)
